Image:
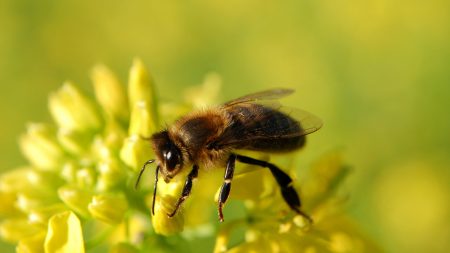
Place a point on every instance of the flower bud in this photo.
(76, 199)
(135, 152)
(64, 234)
(41, 215)
(86, 177)
(108, 207)
(15, 180)
(324, 178)
(162, 224)
(40, 147)
(8, 200)
(110, 93)
(100, 149)
(302, 222)
(114, 135)
(27, 201)
(28, 188)
(342, 242)
(72, 110)
(164, 205)
(141, 88)
(68, 172)
(13, 230)
(74, 142)
(43, 182)
(253, 235)
(111, 174)
(32, 244)
(141, 123)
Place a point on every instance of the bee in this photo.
(210, 138)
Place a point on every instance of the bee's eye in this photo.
(172, 159)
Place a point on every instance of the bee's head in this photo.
(168, 154)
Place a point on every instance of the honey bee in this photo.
(209, 139)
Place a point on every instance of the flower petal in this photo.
(41, 215)
(135, 152)
(73, 141)
(32, 244)
(164, 204)
(142, 122)
(15, 229)
(75, 198)
(64, 234)
(108, 207)
(141, 88)
(110, 93)
(72, 110)
(40, 147)
(162, 224)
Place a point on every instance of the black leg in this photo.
(284, 181)
(186, 189)
(226, 186)
(142, 171)
(155, 187)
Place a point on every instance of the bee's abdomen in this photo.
(266, 129)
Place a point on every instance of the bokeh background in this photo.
(376, 72)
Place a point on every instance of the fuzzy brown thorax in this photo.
(195, 132)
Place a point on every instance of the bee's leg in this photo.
(283, 180)
(226, 186)
(155, 188)
(186, 190)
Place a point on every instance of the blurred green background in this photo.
(376, 72)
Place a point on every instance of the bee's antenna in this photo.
(154, 189)
(142, 171)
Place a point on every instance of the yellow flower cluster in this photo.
(82, 168)
(269, 227)
(78, 192)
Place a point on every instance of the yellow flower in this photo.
(270, 227)
(83, 167)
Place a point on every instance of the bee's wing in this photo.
(252, 129)
(260, 96)
(308, 121)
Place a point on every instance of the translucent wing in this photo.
(308, 121)
(260, 96)
(260, 118)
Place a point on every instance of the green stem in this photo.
(94, 242)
